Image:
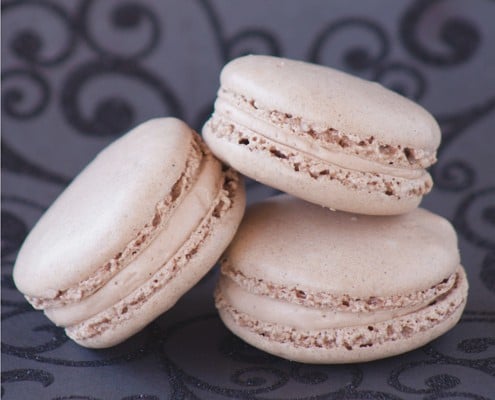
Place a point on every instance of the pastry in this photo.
(323, 135)
(315, 286)
(137, 228)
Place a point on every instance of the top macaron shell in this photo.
(348, 103)
(103, 208)
(323, 135)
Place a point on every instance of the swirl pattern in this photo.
(113, 114)
(129, 19)
(78, 74)
(14, 96)
(34, 43)
(459, 36)
(355, 57)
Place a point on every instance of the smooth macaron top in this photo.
(288, 242)
(104, 207)
(332, 99)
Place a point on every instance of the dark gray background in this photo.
(77, 74)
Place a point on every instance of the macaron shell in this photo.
(323, 135)
(285, 312)
(331, 98)
(243, 123)
(181, 225)
(287, 241)
(432, 321)
(214, 235)
(134, 173)
(276, 172)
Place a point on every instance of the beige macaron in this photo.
(137, 228)
(316, 286)
(323, 135)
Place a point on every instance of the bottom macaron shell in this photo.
(270, 169)
(195, 258)
(446, 310)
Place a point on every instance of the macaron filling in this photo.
(311, 298)
(285, 313)
(123, 309)
(144, 237)
(181, 225)
(315, 328)
(323, 169)
(347, 142)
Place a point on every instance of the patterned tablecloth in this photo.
(77, 74)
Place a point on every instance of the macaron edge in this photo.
(454, 302)
(320, 188)
(199, 260)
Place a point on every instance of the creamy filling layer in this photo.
(366, 334)
(181, 225)
(319, 169)
(344, 142)
(298, 316)
(144, 237)
(125, 308)
(308, 297)
(309, 146)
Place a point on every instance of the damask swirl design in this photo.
(28, 374)
(30, 45)
(457, 175)
(474, 218)
(264, 375)
(25, 93)
(87, 71)
(443, 385)
(312, 375)
(247, 382)
(477, 345)
(264, 378)
(112, 115)
(246, 41)
(456, 123)
(123, 16)
(356, 57)
(403, 79)
(478, 316)
(371, 61)
(459, 36)
(308, 375)
(251, 41)
(453, 175)
(56, 338)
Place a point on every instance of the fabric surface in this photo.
(77, 74)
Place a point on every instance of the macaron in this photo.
(315, 286)
(137, 228)
(323, 135)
